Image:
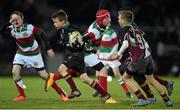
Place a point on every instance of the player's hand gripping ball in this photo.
(75, 39)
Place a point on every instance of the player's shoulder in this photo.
(74, 28)
(124, 30)
(33, 28)
(29, 26)
(94, 27)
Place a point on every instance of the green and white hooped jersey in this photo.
(25, 41)
(96, 31)
(109, 45)
(108, 41)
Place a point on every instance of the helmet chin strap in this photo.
(101, 27)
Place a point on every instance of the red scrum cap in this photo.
(101, 15)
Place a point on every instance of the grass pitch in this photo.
(38, 99)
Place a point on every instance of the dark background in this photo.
(160, 19)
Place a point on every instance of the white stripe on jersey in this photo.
(107, 37)
(95, 31)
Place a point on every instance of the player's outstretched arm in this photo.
(5, 31)
(41, 35)
(50, 53)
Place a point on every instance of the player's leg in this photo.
(105, 97)
(101, 74)
(37, 62)
(97, 74)
(141, 80)
(118, 76)
(132, 85)
(70, 61)
(44, 75)
(91, 70)
(167, 83)
(56, 76)
(150, 78)
(93, 61)
(63, 70)
(18, 62)
(19, 83)
(102, 78)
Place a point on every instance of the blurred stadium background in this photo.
(160, 19)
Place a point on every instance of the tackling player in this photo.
(142, 62)
(101, 35)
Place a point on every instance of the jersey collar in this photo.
(66, 25)
(22, 28)
(127, 24)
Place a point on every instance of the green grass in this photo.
(38, 99)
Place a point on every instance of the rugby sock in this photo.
(161, 81)
(70, 81)
(19, 86)
(57, 76)
(147, 90)
(20, 83)
(123, 85)
(58, 89)
(139, 95)
(98, 88)
(71, 72)
(103, 82)
(165, 97)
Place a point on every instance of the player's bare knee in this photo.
(117, 76)
(149, 78)
(104, 71)
(43, 74)
(103, 74)
(126, 76)
(62, 68)
(117, 73)
(16, 70)
(97, 74)
(84, 78)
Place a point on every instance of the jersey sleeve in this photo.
(41, 36)
(125, 35)
(35, 30)
(94, 35)
(6, 30)
(125, 43)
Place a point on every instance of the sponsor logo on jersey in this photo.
(25, 34)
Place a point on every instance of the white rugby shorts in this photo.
(112, 64)
(91, 60)
(34, 61)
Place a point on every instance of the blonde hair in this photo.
(17, 13)
(127, 15)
